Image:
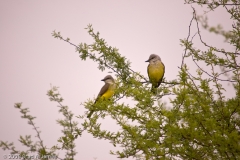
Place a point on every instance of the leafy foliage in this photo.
(70, 134)
(202, 122)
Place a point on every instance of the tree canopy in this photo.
(202, 123)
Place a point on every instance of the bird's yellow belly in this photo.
(108, 94)
(156, 72)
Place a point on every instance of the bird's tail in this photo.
(155, 86)
(91, 110)
(90, 114)
(154, 90)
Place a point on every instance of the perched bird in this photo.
(106, 92)
(156, 70)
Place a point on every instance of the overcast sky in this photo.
(31, 59)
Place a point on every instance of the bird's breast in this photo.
(156, 71)
(109, 93)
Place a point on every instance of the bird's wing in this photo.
(148, 71)
(103, 89)
(160, 81)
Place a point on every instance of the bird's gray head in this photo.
(153, 57)
(108, 79)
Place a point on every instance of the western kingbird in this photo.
(156, 70)
(106, 92)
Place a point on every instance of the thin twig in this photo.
(189, 32)
(219, 51)
(220, 4)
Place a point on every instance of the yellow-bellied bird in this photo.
(106, 92)
(156, 70)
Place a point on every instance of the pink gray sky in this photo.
(31, 59)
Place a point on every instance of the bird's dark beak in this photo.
(147, 60)
(103, 79)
